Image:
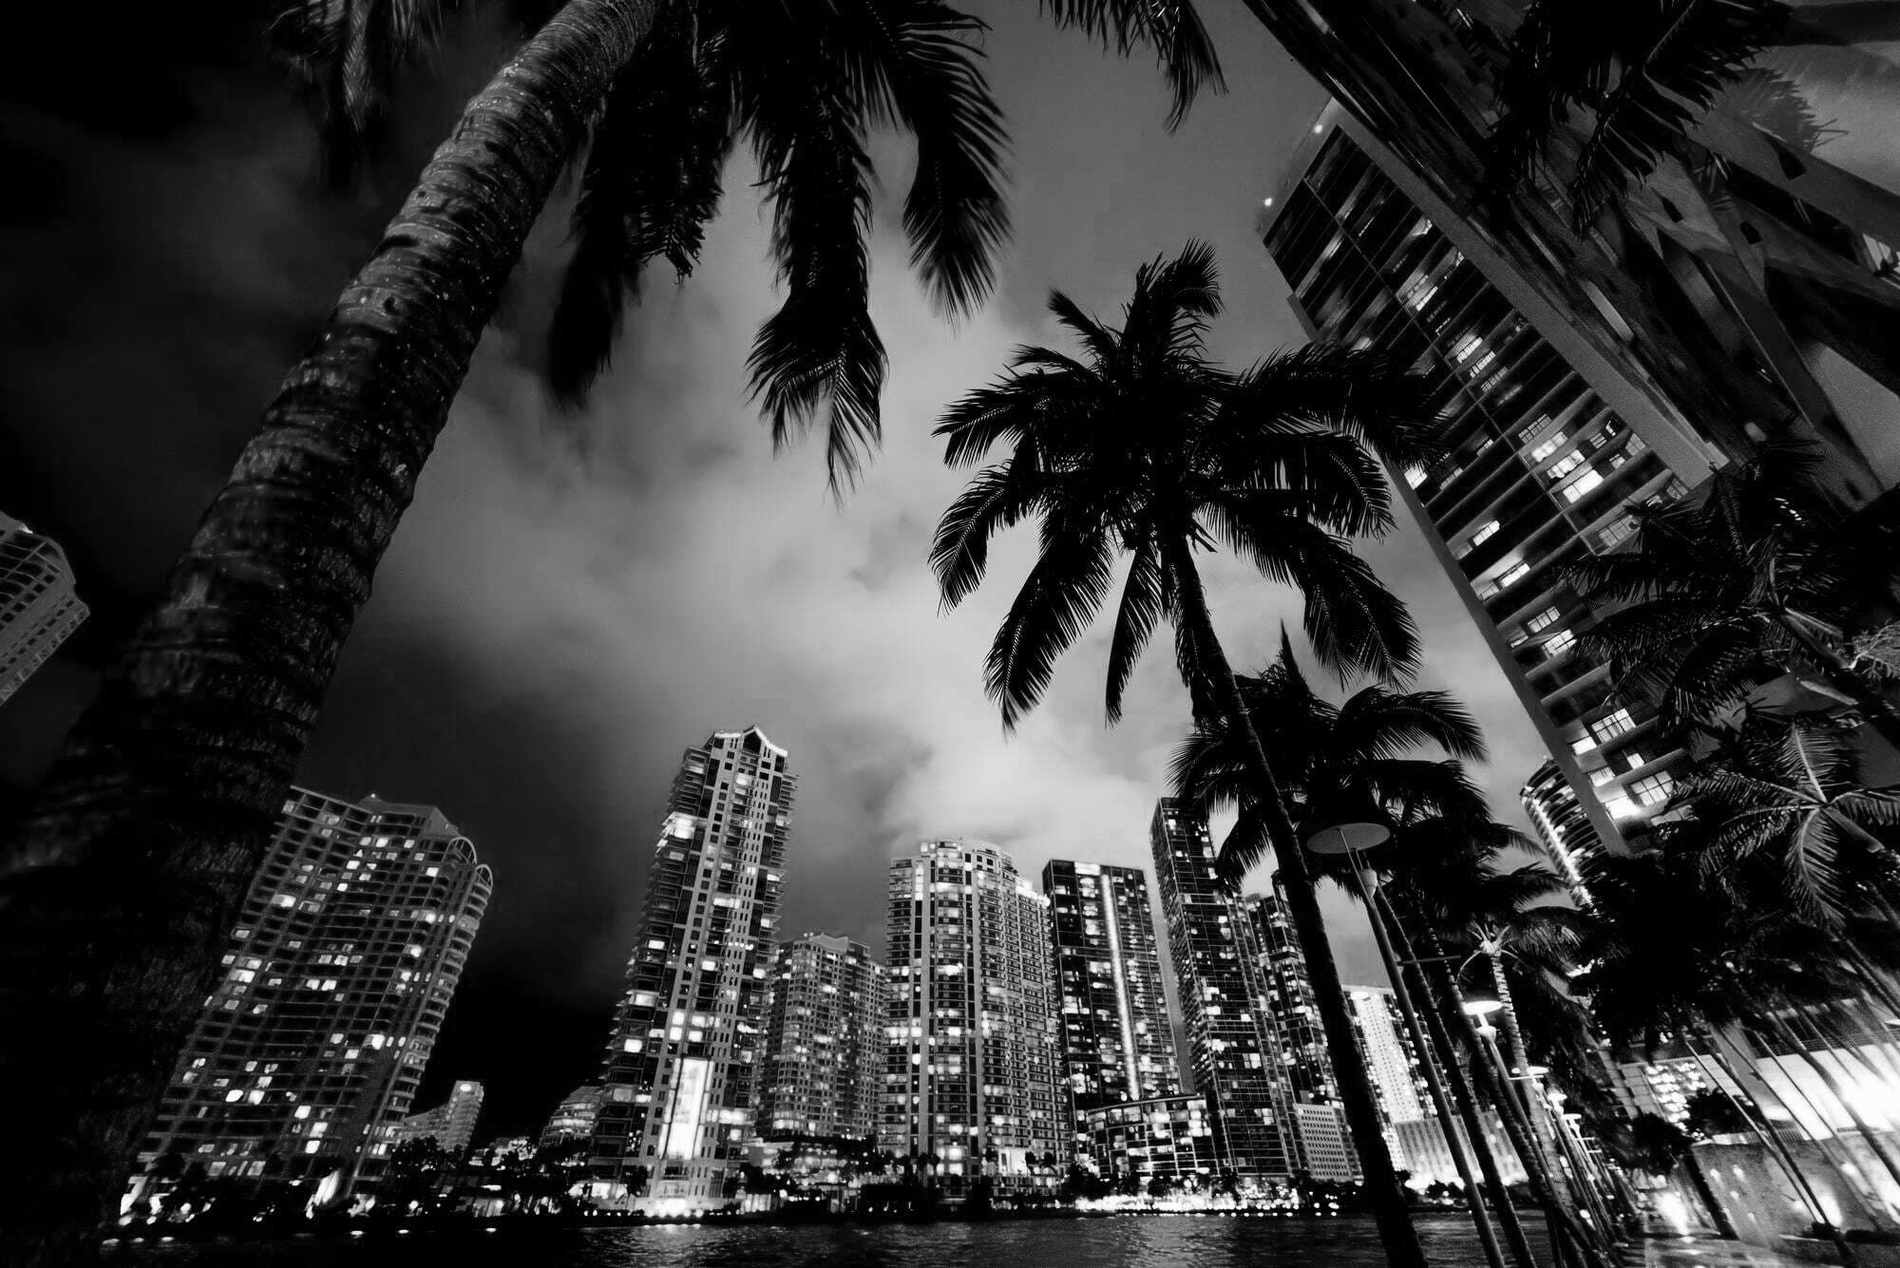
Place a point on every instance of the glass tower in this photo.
(680, 1070)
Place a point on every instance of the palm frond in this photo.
(1057, 601)
(1143, 597)
(1362, 394)
(1018, 408)
(650, 184)
(916, 67)
(1171, 27)
(995, 498)
(348, 53)
(1246, 845)
(820, 354)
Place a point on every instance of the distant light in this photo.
(1318, 128)
(1267, 203)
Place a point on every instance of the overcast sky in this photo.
(574, 600)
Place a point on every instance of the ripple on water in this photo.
(1128, 1242)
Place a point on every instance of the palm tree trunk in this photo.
(118, 892)
(1799, 1043)
(1705, 1192)
(1383, 1191)
(1466, 1102)
(1434, 1083)
(1770, 1136)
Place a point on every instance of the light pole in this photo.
(1348, 836)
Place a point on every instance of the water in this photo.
(1124, 1242)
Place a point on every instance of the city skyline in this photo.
(565, 583)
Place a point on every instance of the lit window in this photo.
(1548, 448)
(1542, 621)
(1512, 575)
(1559, 643)
(1414, 476)
(1612, 724)
(1621, 528)
(1620, 807)
(1484, 534)
(1582, 485)
(1653, 790)
(1564, 466)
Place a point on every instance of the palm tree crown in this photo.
(1715, 597)
(1142, 446)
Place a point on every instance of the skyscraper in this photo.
(1116, 1040)
(680, 1071)
(1217, 970)
(340, 970)
(824, 1041)
(451, 1124)
(1291, 1005)
(1392, 1059)
(38, 608)
(1557, 815)
(970, 1070)
(1547, 449)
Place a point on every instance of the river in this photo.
(1182, 1241)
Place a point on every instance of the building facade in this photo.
(451, 1124)
(1562, 825)
(1177, 1138)
(680, 1072)
(824, 1044)
(1232, 1051)
(339, 972)
(1392, 1059)
(39, 609)
(573, 1119)
(1546, 454)
(970, 1073)
(1290, 1003)
(1116, 1039)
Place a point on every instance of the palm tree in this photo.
(152, 823)
(1758, 578)
(1143, 447)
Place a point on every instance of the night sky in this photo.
(575, 599)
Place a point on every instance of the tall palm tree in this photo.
(118, 888)
(1142, 447)
(1758, 578)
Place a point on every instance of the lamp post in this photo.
(1348, 836)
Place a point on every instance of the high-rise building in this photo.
(1547, 449)
(573, 1119)
(824, 1041)
(38, 608)
(1392, 1059)
(970, 1070)
(451, 1124)
(680, 1071)
(339, 972)
(1117, 1042)
(1232, 1049)
(1740, 286)
(1293, 1009)
(1173, 1137)
(1561, 824)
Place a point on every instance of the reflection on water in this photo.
(1126, 1242)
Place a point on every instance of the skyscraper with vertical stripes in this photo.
(680, 1072)
(1117, 1043)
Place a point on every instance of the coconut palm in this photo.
(1759, 578)
(152, 823)
(1142, 447)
